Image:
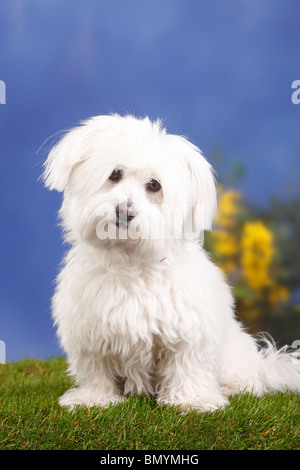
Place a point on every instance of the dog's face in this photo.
(127, 179)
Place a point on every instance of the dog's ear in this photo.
(75, 147)
(63, 157)
(203, 195)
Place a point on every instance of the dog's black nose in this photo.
(125, 212)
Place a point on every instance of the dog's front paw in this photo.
(206, 404)
(86, 397)
(203, 406)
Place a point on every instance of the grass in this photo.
(30, 418)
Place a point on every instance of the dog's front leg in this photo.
(97, 386)
(188, 379)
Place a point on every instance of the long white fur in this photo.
(148, 315)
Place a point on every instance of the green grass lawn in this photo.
(30, 418)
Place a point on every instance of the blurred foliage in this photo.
(258, 250)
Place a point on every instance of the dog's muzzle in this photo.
(125, 212)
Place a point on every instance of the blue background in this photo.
(219, 72)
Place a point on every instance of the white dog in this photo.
(139, 307)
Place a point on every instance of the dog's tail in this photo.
(254, 364)
(280, 368)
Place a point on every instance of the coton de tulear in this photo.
(139, 307)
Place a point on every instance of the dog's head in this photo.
(125, 178)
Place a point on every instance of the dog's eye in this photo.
(153, 186)
(116, 176)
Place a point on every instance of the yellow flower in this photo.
(224, 236)
(225, 243)
(257, 254)
(228, 208)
